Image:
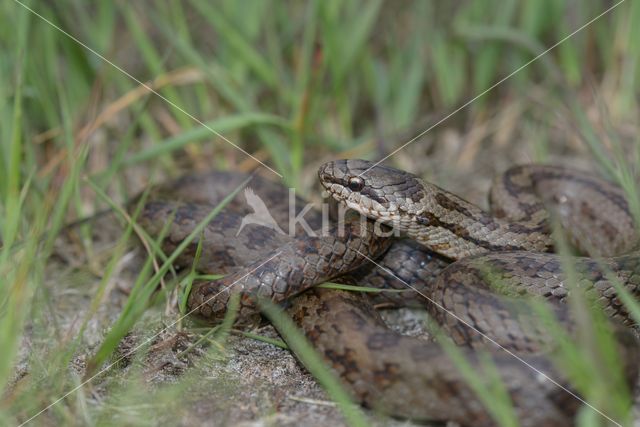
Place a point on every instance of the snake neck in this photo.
(455, 228)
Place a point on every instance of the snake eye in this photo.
(356, 183)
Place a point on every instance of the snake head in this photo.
(377, 191)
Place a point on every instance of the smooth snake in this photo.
(406, 376)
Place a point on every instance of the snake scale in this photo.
(450, 248)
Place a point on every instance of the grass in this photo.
(292, 83)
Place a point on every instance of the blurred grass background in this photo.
(292, 83)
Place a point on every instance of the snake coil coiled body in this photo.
(406, 376)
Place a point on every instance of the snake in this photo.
(449, 254)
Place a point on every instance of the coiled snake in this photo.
(401, 375)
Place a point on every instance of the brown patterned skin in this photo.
(403, 376)
(294, 268)
(595, 212)
(416, 379)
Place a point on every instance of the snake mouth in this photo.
(374, 212)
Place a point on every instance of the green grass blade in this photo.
(221, 125)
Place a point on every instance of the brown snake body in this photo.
(401, 375)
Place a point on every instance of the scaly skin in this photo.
(401, 375)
